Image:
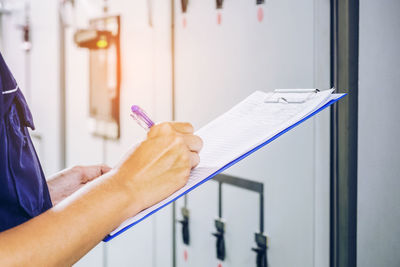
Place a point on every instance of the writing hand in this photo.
(161, 164)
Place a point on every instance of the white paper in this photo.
(244, 127)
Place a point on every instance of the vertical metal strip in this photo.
(173, 59)
(333, 142)
(173, 234)
(345, 132)
(173, 115)
(348, 23)
(262, 210)
(62, 90)
(220, 200)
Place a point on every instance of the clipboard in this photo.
(331, 101)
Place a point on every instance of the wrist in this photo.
(130, 194)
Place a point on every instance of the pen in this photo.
(140, 116)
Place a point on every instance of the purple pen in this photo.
(140, 116)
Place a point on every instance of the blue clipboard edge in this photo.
(110, 237)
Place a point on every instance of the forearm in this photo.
(149, 173)
(65, 233)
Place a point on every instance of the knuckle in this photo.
(153, 131)
(179, 140)
(77, 168)
(186, 162)
(105, 166)
(196, 159)
(186, 174)
(165, 126)
(189, 126)
(199, 141)
(185, 157)
(156, 127)
(161, 128)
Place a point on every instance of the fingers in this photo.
(182, 127)
(91, 172)
(194, 159)
(104, 169)
(169, 127)
(181, 130)
(193, 142)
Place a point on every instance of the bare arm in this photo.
(62, 235)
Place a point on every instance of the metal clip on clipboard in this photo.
(275, 98)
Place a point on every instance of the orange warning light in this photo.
(102, 43)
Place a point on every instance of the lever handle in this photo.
(261, 256)
(185, 231)
(220, 246)
(258, 250)
(218, 235)
(183, 222)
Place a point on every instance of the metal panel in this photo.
(378, 210)
(145, 65)
(217, 65)
(344, 135)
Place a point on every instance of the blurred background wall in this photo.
(220, 57)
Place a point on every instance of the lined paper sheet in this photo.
(238, 131)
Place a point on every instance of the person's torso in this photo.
(23, 188)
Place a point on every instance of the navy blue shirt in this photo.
(23, 188)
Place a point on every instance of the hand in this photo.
(158, 167)
(66, 182)
(161, 164)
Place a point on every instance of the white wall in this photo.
(379, 130)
